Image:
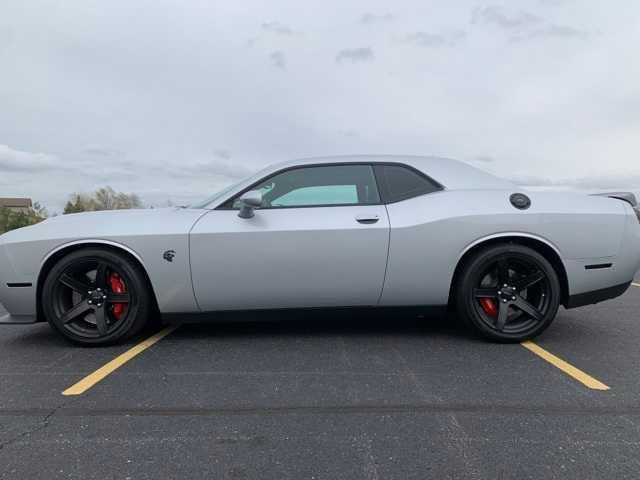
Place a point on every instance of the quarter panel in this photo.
(429, 235)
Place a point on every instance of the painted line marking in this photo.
(89, 381)
(636, 284)
(567, 368)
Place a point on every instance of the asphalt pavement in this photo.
(328, 396)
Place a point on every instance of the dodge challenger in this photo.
(358, 231)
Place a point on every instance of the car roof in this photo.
(452, 174)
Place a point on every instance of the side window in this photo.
(398, 182)
(319, 186)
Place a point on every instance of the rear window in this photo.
(399, 182)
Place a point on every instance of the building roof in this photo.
(15, 202)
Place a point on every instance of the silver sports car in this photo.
(360, 231)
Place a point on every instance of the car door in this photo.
(320, 239)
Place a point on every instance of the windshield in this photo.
(205, 203)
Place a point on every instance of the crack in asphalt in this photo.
(428, 408)
(42, 425)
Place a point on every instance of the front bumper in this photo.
(17, 292)
(7, 319)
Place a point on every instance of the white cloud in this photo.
(12, 160)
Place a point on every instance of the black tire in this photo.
(81, 302)
(521, 310)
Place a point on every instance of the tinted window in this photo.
(400, 183)
(319, 186)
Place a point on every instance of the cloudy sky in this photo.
(174, 99)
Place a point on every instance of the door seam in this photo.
(386, 265)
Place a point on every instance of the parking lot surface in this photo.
(328, 396)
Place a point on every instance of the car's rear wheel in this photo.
(508, 293)
(96, 297)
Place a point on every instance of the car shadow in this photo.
(320, 323)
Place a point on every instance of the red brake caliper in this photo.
(117, 286)
(490, 306)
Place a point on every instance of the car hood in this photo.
(108, 224)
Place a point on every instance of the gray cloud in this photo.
(371, 18)
(278, 60)
(555, 31)
(542, 111)
(605, 182)
(278, 28)
(102, 151)
(355, 55)
(222, 168)
(484, 159)
(349, 132)
(497, 15)
(222, 153)
(435, 40)
(6, 38)
(553, 3)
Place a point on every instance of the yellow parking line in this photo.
(567, 368)
(89, 381)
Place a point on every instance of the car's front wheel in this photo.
(96, 297)
(508, 293)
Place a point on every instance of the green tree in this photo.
(10, 219)
(79, 203)
(103, 199)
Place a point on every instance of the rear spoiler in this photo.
(628, 197)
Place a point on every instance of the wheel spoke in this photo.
(529, 281)
(485, 293)
(503, 313)
(101, 275)
(74, 284)
(527, 308)
(118, 298)
(75, 311)
(101, 320)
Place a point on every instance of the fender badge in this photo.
(169, 255)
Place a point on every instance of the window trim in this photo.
(382, 186)
(382, 194)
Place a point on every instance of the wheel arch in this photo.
(543, 247)
(63, 250)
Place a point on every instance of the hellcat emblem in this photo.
(169, 255)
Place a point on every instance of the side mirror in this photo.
(249, 201)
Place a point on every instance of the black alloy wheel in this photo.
(96, 297)
(508, 293)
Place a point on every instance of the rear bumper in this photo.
(597, 296)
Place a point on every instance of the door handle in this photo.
(367, 219)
